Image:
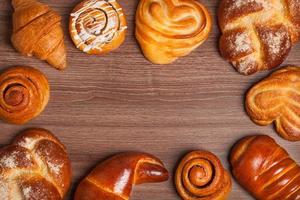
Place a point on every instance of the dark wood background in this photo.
(102, 105)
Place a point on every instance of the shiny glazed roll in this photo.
(265, 169)
(169, 29)
(97, 26)
(25, 93)
(114, 178)
(200, 175)
(276, 99)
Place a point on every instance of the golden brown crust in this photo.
(115, 177)
(34, 166)
(169, 29)
(37, 31)
(97, 26)
(200, 175)
(265, 169)
(258, 34)
(274, 99)
(25, 93)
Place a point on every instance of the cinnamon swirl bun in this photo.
(97, 26)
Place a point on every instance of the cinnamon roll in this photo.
(24, 94)
(200, 175)
(97, 26)
(169, 29)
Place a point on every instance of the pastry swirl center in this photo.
(200, 176)
(14, 95)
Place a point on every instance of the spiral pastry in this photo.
(169, 29)
(24, 94)
(200, 175)
(97, 26)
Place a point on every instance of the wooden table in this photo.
(102, 105)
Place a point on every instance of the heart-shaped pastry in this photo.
(34, 167)
(276, 99)
(169, 29)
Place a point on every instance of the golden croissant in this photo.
(276, 99)
(258, 34)
(25, 93)
(265, 169)
(34, 167)
(169, 29)
(200, 175)
(37, 32)
(114, 178)
(97, 26)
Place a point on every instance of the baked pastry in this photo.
(37, 32)
(25, 93)
(97, 26)
(200, 175)
(113, 179)
(169, 29)
(265, 169)
(34, 166)
(258, 34)
(275, 99)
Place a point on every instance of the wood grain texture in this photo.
(102, 105)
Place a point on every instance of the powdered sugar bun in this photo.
(97, 26)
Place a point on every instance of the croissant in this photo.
(169, 29)
(25, 93)
(276, 98)
(200, 175)
(265, 169)
(35, 166)
(37, 31)
(97, 26)
(258, 34)
(114, 178)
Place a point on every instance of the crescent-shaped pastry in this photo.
(37, 32)
(276, 99)
(25, 93)
(169, 29)
(258, 34)
(114, 178)
(265, 169)
(97, 26)
(200, 175)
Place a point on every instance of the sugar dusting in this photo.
(95, 36)
(242, 42)
(55, 168)
(241, 3)
(245, 64)
(275, 41)
(27, 143)
(27, 192)
(9, 161)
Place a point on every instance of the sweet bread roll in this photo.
(25, 93)
(265, 169)
(114, 178)
(34, 167)
(200, 175)
(37, 32)
(169, 29)
(97, 26)
(276, 99)
(258, 34)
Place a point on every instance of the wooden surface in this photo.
(102, 105)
